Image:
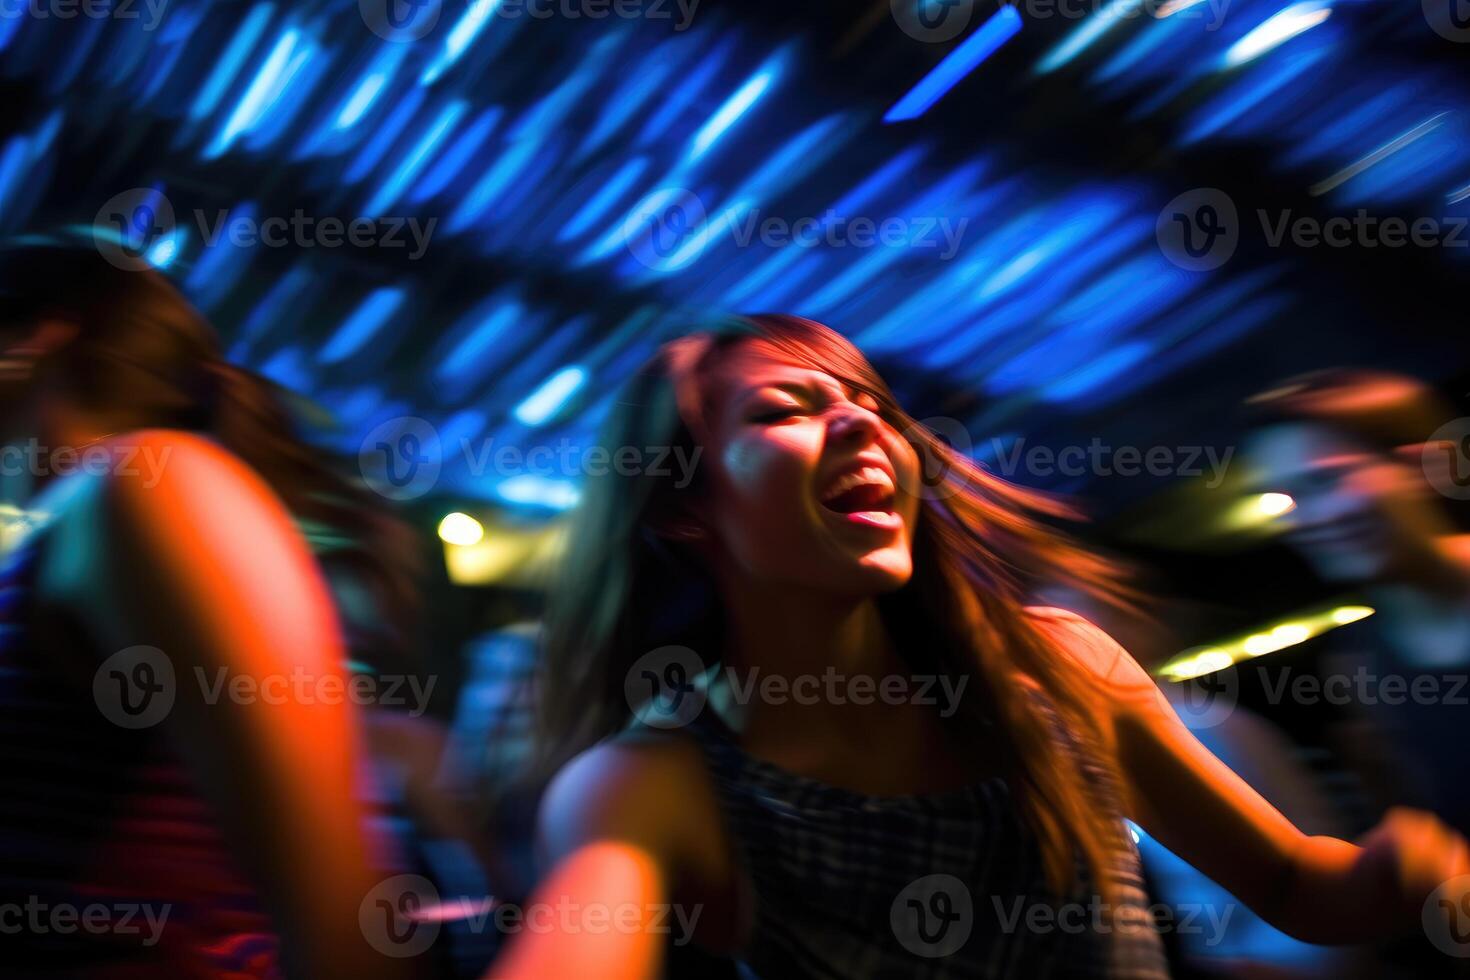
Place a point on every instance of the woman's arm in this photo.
(629, 828)
(200, 561)
(1318, 889)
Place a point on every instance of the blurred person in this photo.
(846, 836)
(1352, 449)
(153, 559)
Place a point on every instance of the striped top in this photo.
(107, 847)
(945, 885)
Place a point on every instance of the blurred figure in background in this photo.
(1352, 448)
(152, 565)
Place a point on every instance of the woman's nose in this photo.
(853, 423)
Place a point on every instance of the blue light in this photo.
(1277, 30)
(409, 169)
(459, 155)
(460, 38)
(1088, 34)
(735, 106)
(546, 401)
(1003, 25)
(494, 183)
(361, 100)
(679, 98)
(467, 354)
(600, 203)
(1241, 99)
(13, 164)
(162, 253)
(391, 128)
(258, 98)
(244, 39)
(363, 324)
(539, 491)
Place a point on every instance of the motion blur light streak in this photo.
(1299, 629)
(1003, 25)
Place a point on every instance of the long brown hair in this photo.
(625, 589)
(134, 351)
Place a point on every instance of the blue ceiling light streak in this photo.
(219, 268)
(737, 105)
(1097, 372)
(646, 81)
(538, 491)
(8, 28)
(384, 136)
(510, 164)
(1087, 34)
(458, 156)
(241, 44)
(466, 355)
(1003, 25)
(1277, 30)
(363, 324)
(14, 162)
(295, 88)
(393, 187)
(273, 308)
(463, 34)
(603, 201)
(262, 92)
(1241, 99)
(546, 401)
(683, 94)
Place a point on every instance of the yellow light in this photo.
(460, 529)
(1343, 615)
(1288, 634)
(1261, 643)
(1204, 662)
(1275, 504)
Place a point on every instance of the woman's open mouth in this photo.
(864, 496)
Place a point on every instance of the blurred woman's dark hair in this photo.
(129, 348)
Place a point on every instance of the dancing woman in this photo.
(837, 835)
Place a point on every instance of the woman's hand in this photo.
(1414, 853)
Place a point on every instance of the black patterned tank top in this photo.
(946, 885)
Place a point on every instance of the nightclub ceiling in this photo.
(987, 198)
